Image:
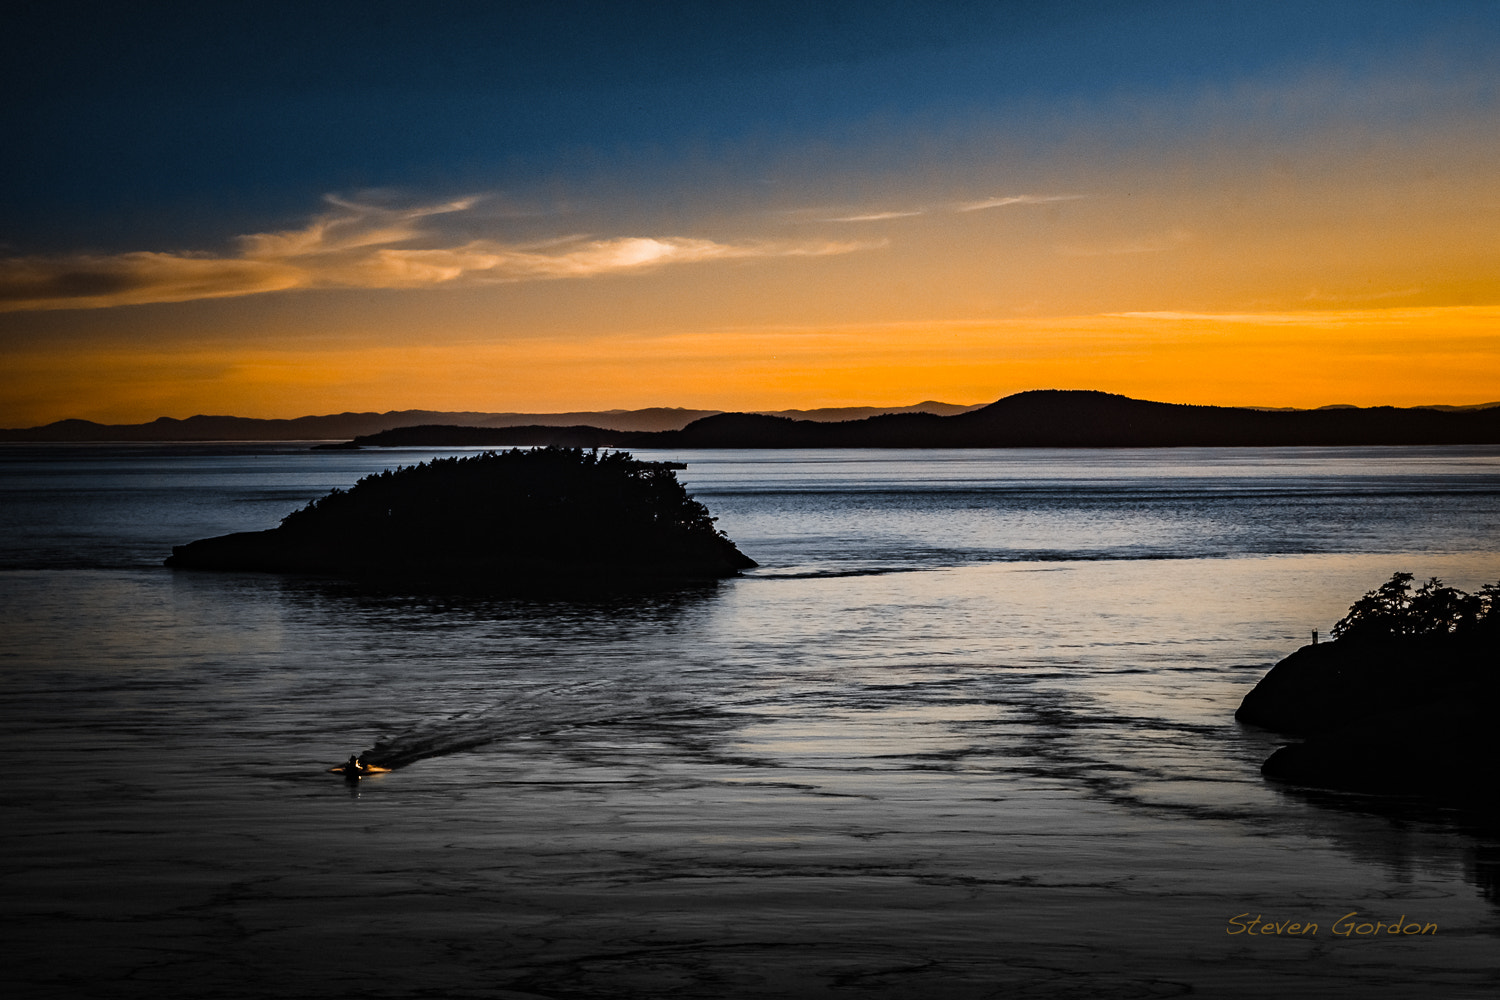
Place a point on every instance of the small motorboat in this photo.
(353, 769)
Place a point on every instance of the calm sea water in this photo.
(967, 732)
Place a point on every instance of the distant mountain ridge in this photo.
(1040, 418)
(343, 426)
(1044, 418)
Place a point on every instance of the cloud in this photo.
(488, 262)
(356, 227)
(815, 215)
(875, 216)
(1016, 199)
(1482, 318)
(358, 246)
(89, 281)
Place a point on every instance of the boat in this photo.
(359, 770)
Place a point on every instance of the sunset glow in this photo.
(1307, 224)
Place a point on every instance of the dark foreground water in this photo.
(967, 733)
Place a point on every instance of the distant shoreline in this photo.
(1041, 418)
(344, 426)
(1045, 419)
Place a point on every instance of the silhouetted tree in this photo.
(561, 504)
(1439, 610)
(1433, 610)
(1379, 612)
(1489, 608)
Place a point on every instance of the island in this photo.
(1401, 702)
(510, 519)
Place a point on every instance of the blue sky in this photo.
(254, 188)
(134, 123)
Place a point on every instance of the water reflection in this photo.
(1407, 836)
(557, 607)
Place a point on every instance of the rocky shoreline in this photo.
(1401, 703)
(1403, 715)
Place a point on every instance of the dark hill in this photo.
(1056, 418)
(511, 519)
(1041, 419)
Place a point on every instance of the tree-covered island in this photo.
(1402, 701)
(512, 519)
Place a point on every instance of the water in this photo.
(967, 732)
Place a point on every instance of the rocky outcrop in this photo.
(1322, 687)
(1440, 749)
(512, 519)
(1393, 714)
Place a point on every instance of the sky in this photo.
(275, 210)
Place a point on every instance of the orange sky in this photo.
(1272, 240)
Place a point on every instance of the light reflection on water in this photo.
(975, 776)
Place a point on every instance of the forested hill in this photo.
(1039, 419)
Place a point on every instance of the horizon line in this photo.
(707, 410)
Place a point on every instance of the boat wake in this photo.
(522, 714)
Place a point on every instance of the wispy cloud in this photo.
(852, 215)
(1261, 319)
(86, 281)
(1397, 318)
(875, 216)
(1015, 199)
(358, 246)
